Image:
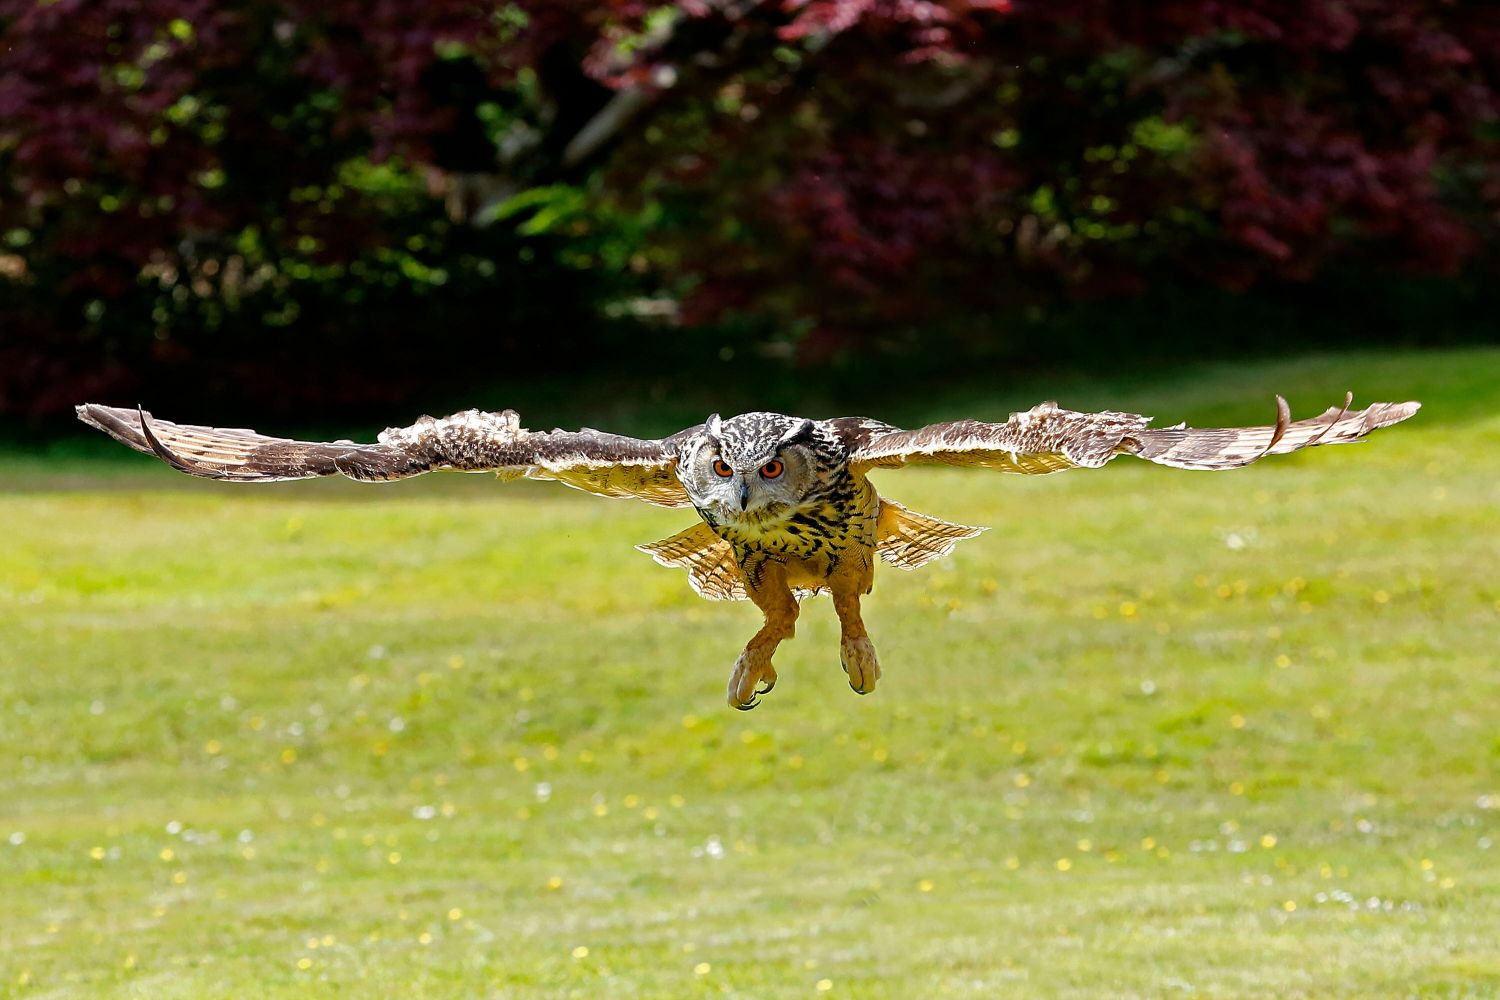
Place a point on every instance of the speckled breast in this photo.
(829, 527)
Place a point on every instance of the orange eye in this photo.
(772, 469)
(722, 469)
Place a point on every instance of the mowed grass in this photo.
(1157, 733)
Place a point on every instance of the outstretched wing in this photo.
(1048, 438)
(473, 441)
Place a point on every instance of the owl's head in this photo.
(756, 466)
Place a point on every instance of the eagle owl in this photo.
(785, 504)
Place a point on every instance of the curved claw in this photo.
(865, 672)
(747, 706)
(764, 687)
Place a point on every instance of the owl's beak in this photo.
(744, 493)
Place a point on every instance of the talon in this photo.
(747, 706)
(860, 654)
(764, 687)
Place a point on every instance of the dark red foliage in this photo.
(922, 157)
(843, 165)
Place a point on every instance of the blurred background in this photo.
(342, 210)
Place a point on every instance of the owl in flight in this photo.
(785, 504)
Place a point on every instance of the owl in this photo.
(785, 506)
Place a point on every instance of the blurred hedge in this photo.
(332, 204)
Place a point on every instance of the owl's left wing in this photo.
(473, 441)
(1048, 438)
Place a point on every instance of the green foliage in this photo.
(1227, 734)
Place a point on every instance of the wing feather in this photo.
(1049, 439)
(1234, 447)
(709, 560)
(472, 441)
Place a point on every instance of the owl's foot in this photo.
(753, 676)
(858, 659)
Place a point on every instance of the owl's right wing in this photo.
(1048, 438)
(473, 441)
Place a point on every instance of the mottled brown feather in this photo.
(472, 441)
(907, 539)
(709, 560)
(1048, 439)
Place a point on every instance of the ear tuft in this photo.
(798, 435)
(713, 426)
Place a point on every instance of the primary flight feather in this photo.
(785, 504)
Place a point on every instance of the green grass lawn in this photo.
(1157, 733)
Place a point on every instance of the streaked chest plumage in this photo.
(833, 523)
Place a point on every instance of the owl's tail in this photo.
(903, 538)
(906, 539)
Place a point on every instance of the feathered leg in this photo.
(753, 674)
(856, 651)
